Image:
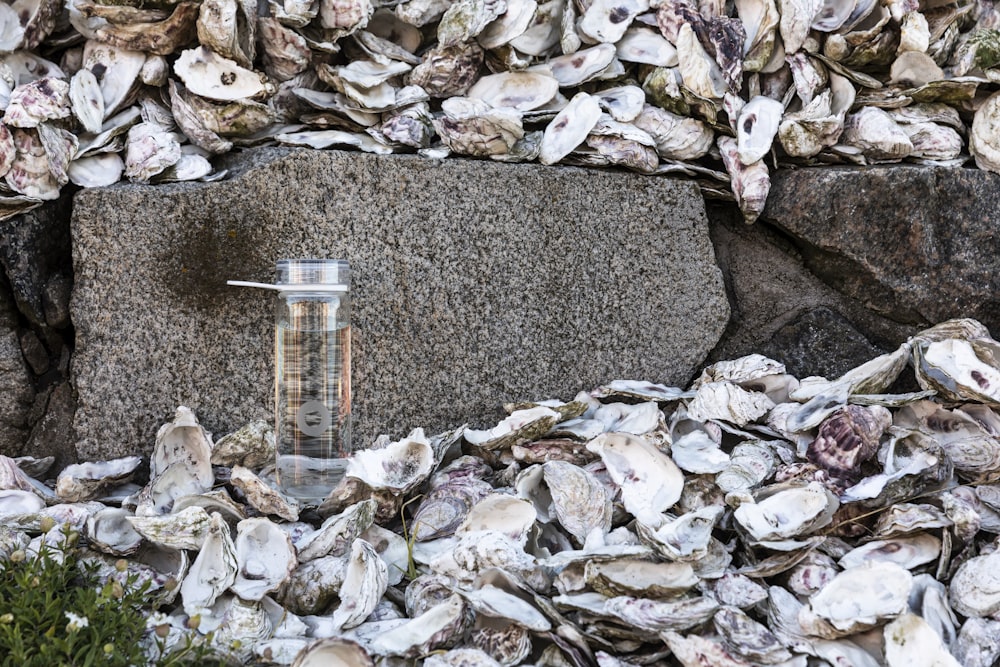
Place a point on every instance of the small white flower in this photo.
(76, 622)
(155, 619)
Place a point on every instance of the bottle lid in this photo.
(306, 275)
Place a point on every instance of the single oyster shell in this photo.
(333, 651)
(861, 597)
(750, 183)
(446, 506)
(695, 650)
(286, 53)
(472, 127)
(677, 137)
(263, 497)
(984, 138)
(186, 529)
(639, 578)
(229, 27)
(686, 538)
(975, 588)
(521, 426)
(756, 128)
(338, 532)
(87, 481)
(978, 643)
(448, 71)
(700, 72)
(788, 513)
(848, 438)
(607, 20)
(109, 530)
(436, 627)
(960, 370)
(398, 467)
(243, 623)
(582, 66)
(210, 75)
(523, 91)
(876, 134)
(909, 552)
(509, 643)
(544, 31)
(461, 657)
(510, 25)
(509, 515)
(149, 151)
(14, 503)
(36, 102)
(29, 173)
(581, 503)
(365, 581)
(344, 17)
(159, 37)
(910, 640)
(251, 446)
(750, 463)
(465, 19)
(650, 481)
(265, 558)
(213, 570)
(96, 171)
(747, 638)
(313, 585)
(87, 100)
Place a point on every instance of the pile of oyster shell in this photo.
(751, 519)
(712, 89)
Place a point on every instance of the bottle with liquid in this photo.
(312, 383)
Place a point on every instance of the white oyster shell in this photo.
(365, 581)
(87, 481)
(787, 513)
(265, 558)
(650, 481)
(398, 467)
(862, 596)
(210, 75)
(569, 128)
(213, 570)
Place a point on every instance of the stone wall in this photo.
(578, 277)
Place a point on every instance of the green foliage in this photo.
(56, 611)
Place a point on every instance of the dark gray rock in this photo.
(55, 299)
(772, 293)
(35, 246)
(52, 434)
(820, 342)
(475, 283)
(34, 352)
(917, 244)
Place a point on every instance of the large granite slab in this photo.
(475, 283)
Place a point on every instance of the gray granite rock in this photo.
(917, 244)
(475, 283)
(16, 388)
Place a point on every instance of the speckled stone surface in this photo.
(474, 283)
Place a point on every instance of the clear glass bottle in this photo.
(312, 376)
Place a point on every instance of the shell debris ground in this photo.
(823, 522)
(93, 91)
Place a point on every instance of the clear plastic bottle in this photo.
(312, 383)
